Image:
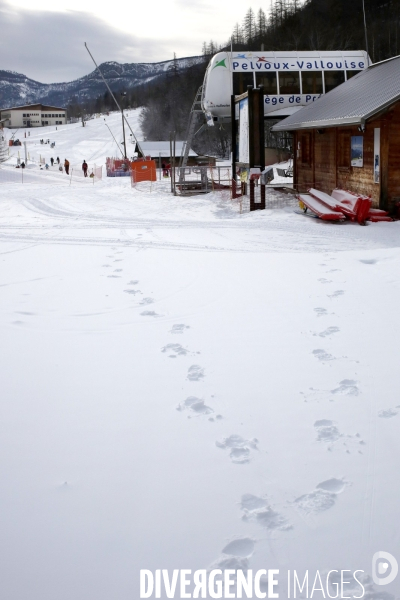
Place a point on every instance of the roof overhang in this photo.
(337, 122)
(318, 124)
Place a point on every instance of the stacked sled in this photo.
(340, 206)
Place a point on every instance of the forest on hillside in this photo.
(289, 25)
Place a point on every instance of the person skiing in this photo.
(84, 168)
(66, 166)
(58, 160)
(52, 161)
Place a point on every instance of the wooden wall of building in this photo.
(322, 159)
(393, 134)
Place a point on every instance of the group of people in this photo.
(53, 161)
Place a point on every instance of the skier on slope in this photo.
(84, 168)
(66, 166)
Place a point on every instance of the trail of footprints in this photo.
(259, 509)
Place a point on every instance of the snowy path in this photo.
(184, 386)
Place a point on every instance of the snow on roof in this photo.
(163, 148)
(32, 107)
(352, 102)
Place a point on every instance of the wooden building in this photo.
(350, 138)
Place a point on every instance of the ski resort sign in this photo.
(290, 79)
(243, 63)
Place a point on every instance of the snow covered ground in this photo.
(186, 387)
(92, 143)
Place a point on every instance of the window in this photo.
(333, 79)
(289, 82)
(305, 148)
(241, 81)
(269, 81)
(312, 82)
(24, 115)
(351, 74)
(344, 149)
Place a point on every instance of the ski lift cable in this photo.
(115, 100)
(115, 140)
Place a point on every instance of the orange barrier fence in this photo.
(143, 170)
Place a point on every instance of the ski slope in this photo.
(92, 143)
(187, 387)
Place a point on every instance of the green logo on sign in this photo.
(221, 63)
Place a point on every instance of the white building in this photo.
(33, 115)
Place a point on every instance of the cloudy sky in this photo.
(46, 42)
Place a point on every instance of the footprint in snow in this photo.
(132, 292)
(239, 448)
(234, 563)
(133, 282)
(114, 276)
(196, 405)
(328, 433)
(322, 498)
(323, 280)
(347, 387)
(368, 261)
(195, 373)
(179, 328)
(106, 266)
(117, 271)
(258, 509)
(328, 331)
(175, 350)
(336, 294)
(322, 355)
(243, 547)
(388, 413)
(320, 311)
(149, 313)
(147, 301)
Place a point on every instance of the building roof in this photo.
(162, 149)
(33, 107)
(353, 102)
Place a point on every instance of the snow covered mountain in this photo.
(16, 89)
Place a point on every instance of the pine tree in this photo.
(249, 26)
(261, 24)
(237, 35)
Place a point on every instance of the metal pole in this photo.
(114, 138)
(123, 133)
(170, 156)
(115, 100)
(365, 32)
(173, 164)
